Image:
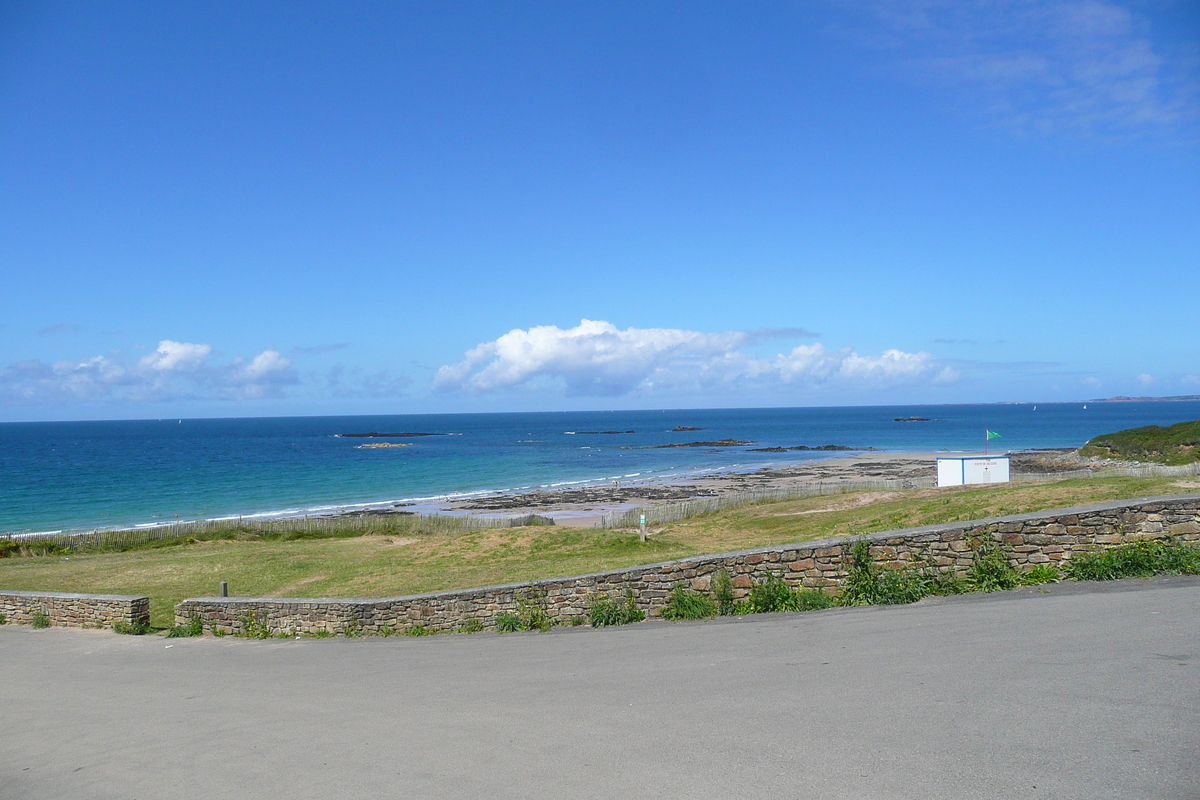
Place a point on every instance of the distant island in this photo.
(595, 433)
(1174, 444)
(679, 428)
(1175, 398)
(913, 419)
(377, 435)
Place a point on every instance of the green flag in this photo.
(992, 435)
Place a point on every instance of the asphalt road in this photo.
(1084, 691)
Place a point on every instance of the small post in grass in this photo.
(642, 527)
(224, 589)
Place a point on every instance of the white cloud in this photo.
(1038, 65)
(1145, 380)
(596, 358)
(176, 355)
(1192, 380)
(1094, 382)
(174, 370)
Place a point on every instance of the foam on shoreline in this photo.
(445, 504)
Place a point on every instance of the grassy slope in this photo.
(375, 566)
(1175, 444)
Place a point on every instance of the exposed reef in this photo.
(377, 435)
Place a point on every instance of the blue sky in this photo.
(229, 209)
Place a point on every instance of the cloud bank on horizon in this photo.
(595, 358)
(172, 371)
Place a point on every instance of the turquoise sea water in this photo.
(74, 475)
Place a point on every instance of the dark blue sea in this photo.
(81, 475)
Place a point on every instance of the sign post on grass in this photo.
(642, 526)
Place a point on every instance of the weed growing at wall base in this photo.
(420, 630)
(686, 603)
(531, 610)
(773, 594)
(1136, 560)
(869, 584)
(40, 621)
(193, 627)
(722, 588)
(130, 628)
(254, 627)
(603, 611)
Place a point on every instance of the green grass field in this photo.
(390, 564)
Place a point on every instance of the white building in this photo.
(959, 470)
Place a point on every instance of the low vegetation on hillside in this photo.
(388, 562)
(1174, 444)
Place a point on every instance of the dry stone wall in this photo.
(1039, 538)
(70, 610)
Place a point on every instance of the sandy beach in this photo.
(584, 506)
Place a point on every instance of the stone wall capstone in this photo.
(71, 610)
(1044, 537)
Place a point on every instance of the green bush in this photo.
(420, 630)
(3, 619)
(1135, 560)
(722, 588)
(772, 594)
(193, 627)
(470, 625)
(1039, 574)
(603, 611)
(130, 628)
(531, 611)
(991, 571)
(809, 600)
(869, 584)
(508, 623)
(40, 621)
(687, 603)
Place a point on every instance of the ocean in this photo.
(84, 475)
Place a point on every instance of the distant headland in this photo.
(1175, 398)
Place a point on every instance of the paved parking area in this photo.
(1078, 691)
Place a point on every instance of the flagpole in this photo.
(985, 441)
